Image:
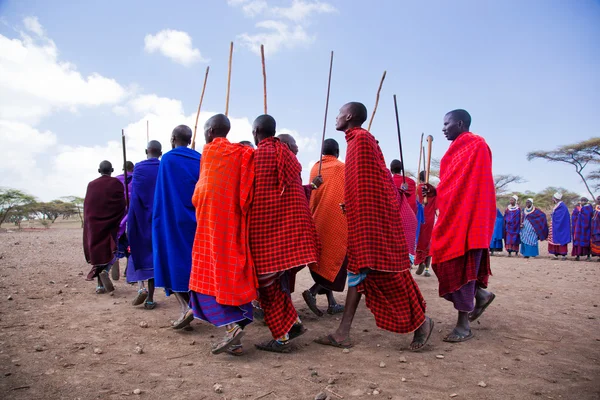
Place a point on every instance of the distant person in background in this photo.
(581, 223)
(496, 243)
(103, 210)
(139, 225)
(595, 241)
(174, 221)
(534, 228)
(408, 187)
(560, 229)
(512, 226)
(247, 143)
(122, 241)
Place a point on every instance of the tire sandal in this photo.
(150, 305)
(236, 350)
(335, 309)
(274, 346)
(311, 302)
(230, 339)
(100, 290)
(142, 295)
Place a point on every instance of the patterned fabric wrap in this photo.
(595, 240)
(466, 199)
(561, 225)
(463, 299)
(330, 221)
(512, 226)
(139, 226)
(394, 299)
(174, 220)
(424, 242)
(282, 232)
(539, 223)
(206, 308)
(103, 209)
(221, 263)
(276, 302)
(410, 192)
(496, 243)
(376, 237)
(581, 223)
(528, 234)
(455, 273)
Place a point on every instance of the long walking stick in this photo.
(125, 170)
(199, 107)
(399, 139)
(264, 72)
(228, 80)
(429, 143)
(376, 101)
(424, 166)
(326, 109)
(419, 167)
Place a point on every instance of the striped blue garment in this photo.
(528, 234)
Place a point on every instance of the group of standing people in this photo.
(227, 231)
(522, 229)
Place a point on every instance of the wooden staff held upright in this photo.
(228, 80)
(264, 72)
(199, 107)
(399, 141)
(326, 109)
(125, 170)
(429, 144)
(376, 101)
(419, 167)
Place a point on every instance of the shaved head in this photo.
(456, 122)
(396, 166)
(216, 126)
(351, 115)
(154, 149)
(290, 142)
(128, 166)
(105, 168)
(181, 136)
(331, 148)
(263, 127)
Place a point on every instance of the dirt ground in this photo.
(539, 340)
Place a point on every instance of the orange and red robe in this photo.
(377, 247)
(466, 200)
(424, 241)
(222, 266)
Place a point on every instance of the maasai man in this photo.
(378, 262)
(289, 140)
(282, 234)
(512, 226)
(122, 241)
(103, 210)
(534, 228)
(581, 223)
(496, 243)
(223, 280)
(423, 254)
(595, 241)
(560, 229)
(330, 273)
(406, 184)
(174, 220)
(140, 267)
(461, 237)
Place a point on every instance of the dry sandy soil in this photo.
(539, 340)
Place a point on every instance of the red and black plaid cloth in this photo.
(376, 237)
(282, 232)
(280, 314)
(394, 299)
(454, 274)
(466, 199)
(539, 222)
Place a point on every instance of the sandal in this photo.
(184, 321)
(297, 330)
(455, 337)
(142, 295)
(330, 341)
(236, 350)
(230, 339)
(100, 290)
(478, 311)
(311, 302)
(427, 336)
(105, 279)
(420, 269)
(335, 309)
(150, 305)
(274, 346)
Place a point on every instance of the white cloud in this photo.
(251, 8)
(176, 45)
(278, 35)
(301, 10)
(34, 82)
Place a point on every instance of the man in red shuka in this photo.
(378, 262)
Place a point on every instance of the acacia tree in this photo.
(501, 182)
(11, 198)
(579, 155)
(77, 203)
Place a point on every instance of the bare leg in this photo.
(314, 290)
(482, 296)
(184, 300)
(150, 290)
(352, 300)
(331, 299)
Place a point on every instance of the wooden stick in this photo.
(326, 109)
(264, 71)
(266, 394)
(339, 396)
(419, 167)
(428, 169)
(199, 107)
(376, 101)
(125, 170)
(399, 139)
(228, 80)
(424, 166)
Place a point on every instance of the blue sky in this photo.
(75, 73)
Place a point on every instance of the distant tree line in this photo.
(17, 206)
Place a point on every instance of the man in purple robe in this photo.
(581, 224)
(139, 225)
(512, 227)
(560, 229)
(595, 241)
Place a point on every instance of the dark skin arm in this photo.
(318, 181)
(428, 190)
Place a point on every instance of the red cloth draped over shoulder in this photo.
(282, 233)
(466, 199)
(410, 192)
(103, 209)
(221, 263)
(376, 237)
